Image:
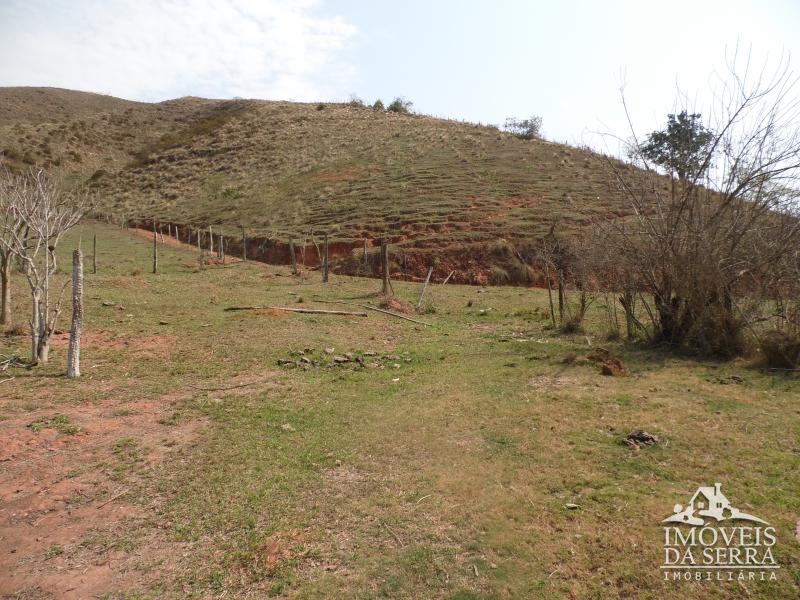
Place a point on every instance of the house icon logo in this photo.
(708, 502)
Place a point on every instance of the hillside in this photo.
(439, 189)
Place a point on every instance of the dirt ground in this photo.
(65, 523)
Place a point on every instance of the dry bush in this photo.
(705, 253)
(570, 266)
(781, 349)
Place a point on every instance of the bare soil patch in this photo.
(151, 346)
(66, 530)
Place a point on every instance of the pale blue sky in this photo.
(473, 60)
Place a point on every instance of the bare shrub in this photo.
(711, 247)
(781, 349)
(570, 266)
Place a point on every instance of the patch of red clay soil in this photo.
(147, 346)
(394, 303)
(63, 508)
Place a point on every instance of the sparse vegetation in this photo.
(60, 422)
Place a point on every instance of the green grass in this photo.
(448, 477)
(59, 422)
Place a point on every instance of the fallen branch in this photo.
(316, 311)
(394, 535)
(380, 310)
(13, 361)
(388, 312)
(222, 389)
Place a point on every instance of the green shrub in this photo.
(378, 105)
(526, 129)
(400, 105)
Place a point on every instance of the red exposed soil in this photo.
(469, 264)
(152, 346)
(64, 519)
(396, 304)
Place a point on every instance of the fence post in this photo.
(155, 248)
(325, 259)
(74, 353)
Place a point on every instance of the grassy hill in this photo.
(437, 188)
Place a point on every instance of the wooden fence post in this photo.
(424, 286)
(74, 353)
(94, 255)
(292, 256)
(385, 289)
(155, 248)
(325, 259)
(210, 240)
(244, 244)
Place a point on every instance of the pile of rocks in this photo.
(309, 358)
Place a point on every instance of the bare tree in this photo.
(38, 215)
(699, 254)
(11, 225)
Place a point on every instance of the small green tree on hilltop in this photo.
(682, 148)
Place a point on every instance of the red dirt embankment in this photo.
(474, 264)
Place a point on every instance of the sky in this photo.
(476, 60)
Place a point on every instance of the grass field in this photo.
(463, 460)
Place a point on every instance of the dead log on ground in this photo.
(316, 311)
